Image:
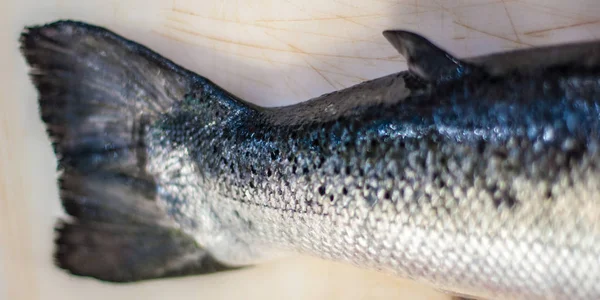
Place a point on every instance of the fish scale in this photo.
(478, 176)
(493, 213)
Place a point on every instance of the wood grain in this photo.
(269, 52)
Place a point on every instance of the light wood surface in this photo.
(268, 52)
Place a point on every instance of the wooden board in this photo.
(268, 52)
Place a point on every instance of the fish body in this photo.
(479, 176)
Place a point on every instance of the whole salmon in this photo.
(480, 176)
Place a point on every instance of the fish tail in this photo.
(98, 93)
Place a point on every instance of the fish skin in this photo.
(483, 182)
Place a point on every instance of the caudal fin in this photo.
(98, 93)
(122, 253)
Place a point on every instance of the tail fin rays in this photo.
(98, 93)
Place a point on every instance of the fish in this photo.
(478, 176)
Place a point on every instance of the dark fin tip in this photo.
(61, 251)
(425, 59)
(124, 253)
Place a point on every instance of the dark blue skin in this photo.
(521, 107)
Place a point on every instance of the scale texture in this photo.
(478, 176)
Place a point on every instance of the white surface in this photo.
(3, 281)
(269, 52)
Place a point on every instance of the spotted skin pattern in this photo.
(477, 176)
